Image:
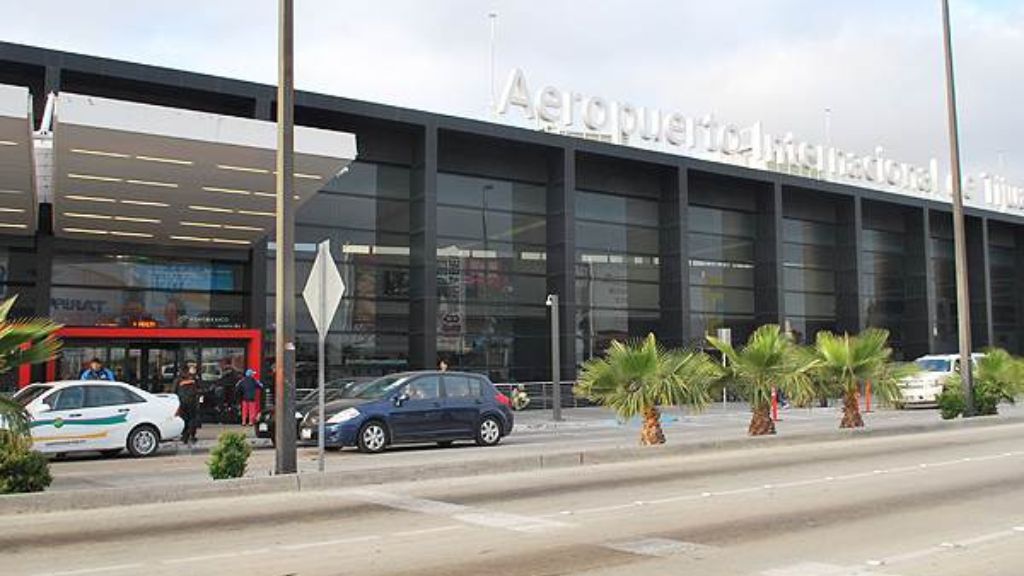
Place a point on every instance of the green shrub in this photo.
(21, 469)
(951, 400)
(230, 456)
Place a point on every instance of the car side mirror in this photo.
(401, 399)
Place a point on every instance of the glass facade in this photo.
(491, 276)
(810, 244)
(91, 289)
(617, 270)
(942, 262)
(885, 275)
(1003, 268)
(365, 215)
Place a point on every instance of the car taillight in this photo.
(502, 399)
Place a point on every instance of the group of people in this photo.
(188, 386)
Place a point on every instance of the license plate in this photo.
(263, 427)
(307, 434)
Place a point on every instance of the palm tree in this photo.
(999, 377)
(28, 341)
(845, 362)
(639, 377)
(768, 360)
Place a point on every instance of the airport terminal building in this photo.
(136, 208)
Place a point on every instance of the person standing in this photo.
(248, 390)
(187, 389)
(96, 371)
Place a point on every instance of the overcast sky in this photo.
(877, 64)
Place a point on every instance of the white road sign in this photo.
(324, 289)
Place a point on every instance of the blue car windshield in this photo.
(379, 388)
(933, 364)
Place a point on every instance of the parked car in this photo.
(98, 416)
(307, 400)
(924, 387)
(415, 407)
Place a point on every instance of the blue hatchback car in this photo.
(413, 408)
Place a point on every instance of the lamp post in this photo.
(556, 362)
(963, 301)
(284, 263)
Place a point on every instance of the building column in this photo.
(423, 253)
(674, 268)
(561, 250)
(769, 291)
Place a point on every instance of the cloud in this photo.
(877, 65)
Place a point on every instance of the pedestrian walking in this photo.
(187, 389)
(96, 371)
(248, 390)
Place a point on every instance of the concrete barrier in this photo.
(250, 486)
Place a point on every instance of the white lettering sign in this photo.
(594, 117)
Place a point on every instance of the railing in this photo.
(541, 394)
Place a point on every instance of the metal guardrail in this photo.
(542, 396)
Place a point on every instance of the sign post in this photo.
(725, 335)
(322, 294)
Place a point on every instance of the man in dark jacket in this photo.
(187, 389)
(248, 389)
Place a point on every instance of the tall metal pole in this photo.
(963, 302)
(284, 301)
(321, 366)
(556, 361)
(493, 17)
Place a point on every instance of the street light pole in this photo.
(284, 263)
(963, 302)
(556, 362)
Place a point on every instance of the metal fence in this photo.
(541, 394)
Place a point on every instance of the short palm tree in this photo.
(639, 377)
(27, 341)
(845, 363)
(768, 360)
(999, 377)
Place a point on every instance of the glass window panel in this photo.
(723, 301)
(724, 222)
(616, 209)
(804, 304)
(805, 232)
(124, 271)
(616, 239)
(806, 255)
(339, 211)
(707, 273)
(810, 280)
(375, 180)
(720, 248)
(145, 309)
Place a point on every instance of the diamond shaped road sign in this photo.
(324, 289)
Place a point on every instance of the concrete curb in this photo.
(109, 497)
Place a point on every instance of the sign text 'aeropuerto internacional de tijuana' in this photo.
(572, 113)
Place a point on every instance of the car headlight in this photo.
(343, 416)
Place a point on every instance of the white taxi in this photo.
(99, 416)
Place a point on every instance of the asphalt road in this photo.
(584, 427)
(935, 504)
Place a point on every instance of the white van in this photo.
(923, 388)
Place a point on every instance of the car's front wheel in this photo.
(373, 438)
(143, 441)
(489, 432)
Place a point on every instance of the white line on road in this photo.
(208, 557)
(321, 543)
(467, 514)
(423, 531)
(781, 485)
(946, 547)
(97, 570)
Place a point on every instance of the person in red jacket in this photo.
(248, 389)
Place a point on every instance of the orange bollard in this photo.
(867, 396)
(775, 405)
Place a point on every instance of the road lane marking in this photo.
(781, 485)
(321, 543)
(208, 557)
(947, 547)
(100, 569)
(466, 514)
(819, 569)
(423, 531)
(659, 547)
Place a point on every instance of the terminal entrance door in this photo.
(154, 366)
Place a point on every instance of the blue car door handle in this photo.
(74, 415)
(124, 410)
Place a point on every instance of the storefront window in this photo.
(146, 292)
